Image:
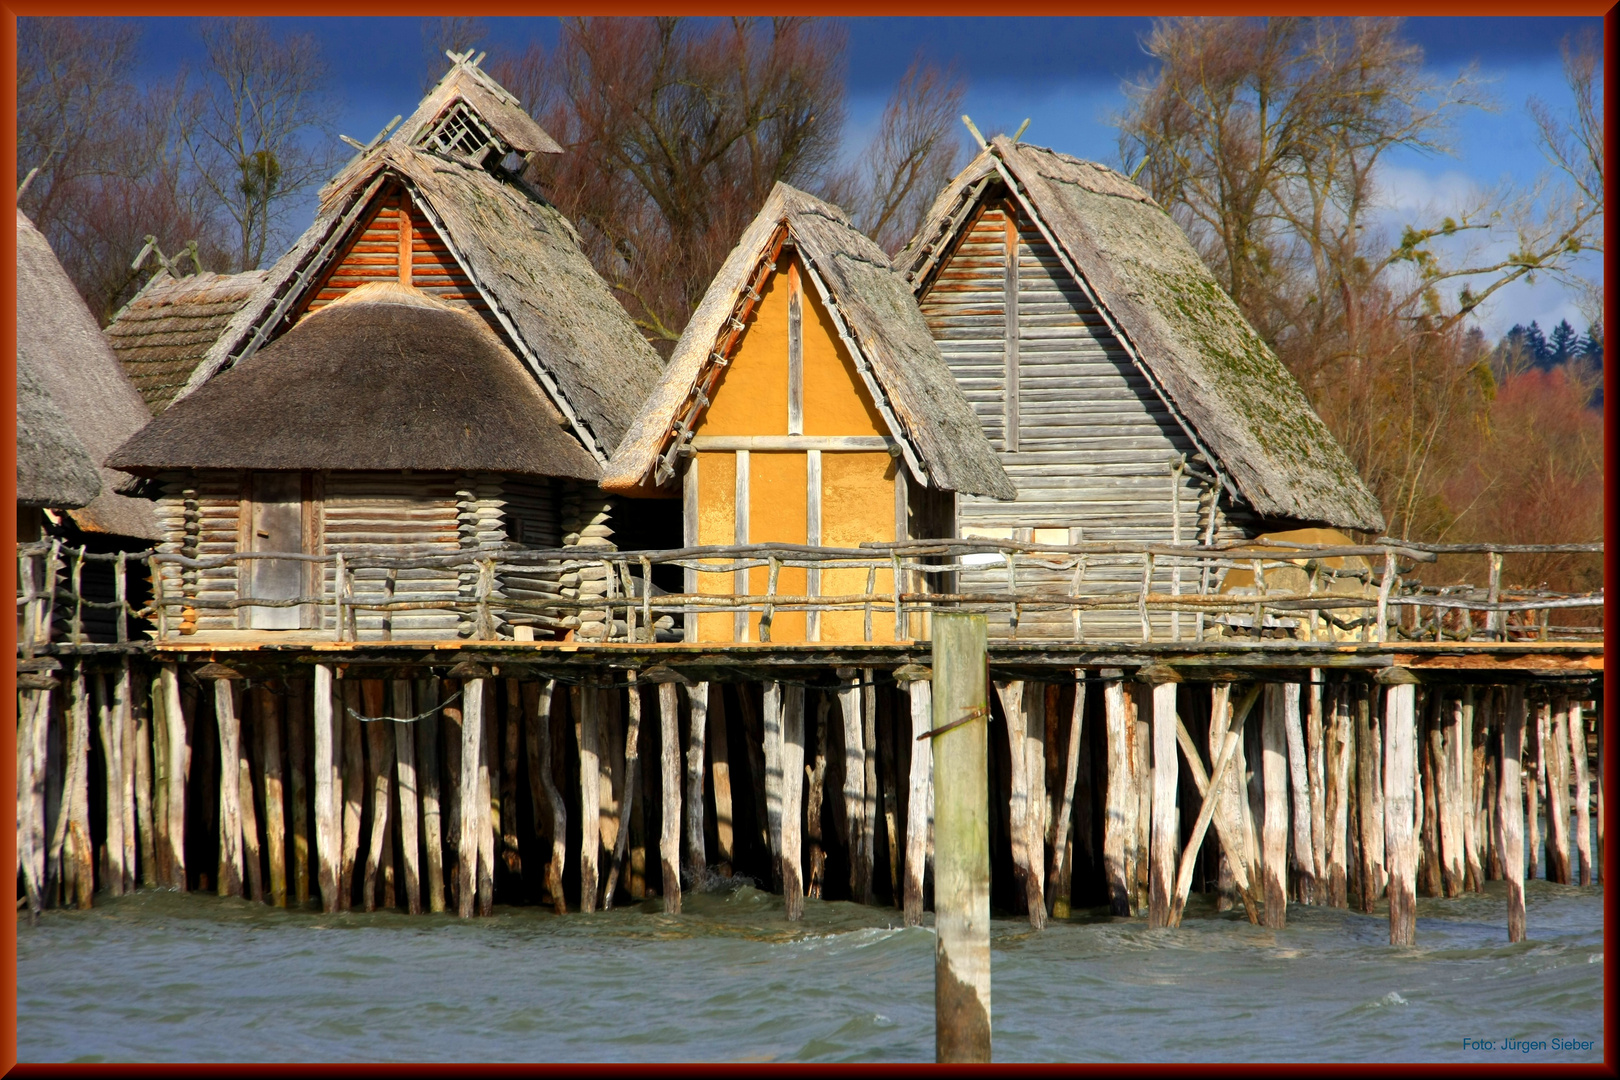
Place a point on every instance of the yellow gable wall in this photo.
(751, 398)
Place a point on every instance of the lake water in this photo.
(165, 977)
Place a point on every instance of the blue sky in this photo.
(1065, 74)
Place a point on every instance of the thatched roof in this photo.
(503, 113)
(927, 414)
(163, 333)
(53, 467)
(520, 252)
(1215, 371)
(61, 347)
(385, 378)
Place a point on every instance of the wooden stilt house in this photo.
(806, 403)
(1124, 391)
(433, 367)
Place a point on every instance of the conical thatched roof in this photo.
(53, 468)
(521, 254)
(1215, 371)
(386, 378)
(892, 347)
(62, 349)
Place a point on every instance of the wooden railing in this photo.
(923, 576)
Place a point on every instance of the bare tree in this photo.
(1574, 147)
(1265, 138)
(98, 158)
(260, 133)
(675, 133)
(912, 155)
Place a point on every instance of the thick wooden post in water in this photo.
(354, 791)
(697, 857)
(472, 737)
(1274, 841)
(328, 844)
(297, 785)
(1556, 752)
(920, 693)
(380, 750)
(627, 805)
(1583, 791)
(720, 765)
(1166, 841)
(1060, 885)
(669, 839)
(409, 804)
(230, 798)
(1400, 787)
(1448, 773)
(267, 708)
(1026, 868)
(1511, 809)
(427, 778)
(112, 760)
(962, 840)
(855, 794)
(1303, 806)
(792, 799)
(771, 744)
(548, 801)
(1370, 795)
(584, 700)
(174, 717)
(1337, 810)
(1120, 806)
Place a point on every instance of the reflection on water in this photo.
(162, 977)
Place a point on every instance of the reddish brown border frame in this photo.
(8, 447)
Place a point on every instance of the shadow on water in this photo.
(165, 977)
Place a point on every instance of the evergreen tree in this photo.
(1564, 344)
(1592, 344)
(1535, 344)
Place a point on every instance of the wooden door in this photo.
(277, 522)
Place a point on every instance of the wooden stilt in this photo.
(1274, 768)
(409, 807)
(1166, 841)
(1370, 794)
(962, 868)
(179, 751)
(1120, 807)
(1025, 871)
(488, 801)
(1467, 794)
(327, 739)
(1037, 812)
(550, 811)
(792, 800)
(35, 715)
(1576, 726)
(771, 717)
(123, 706)
(816, 878)
(1299, 782)
(268, 715)
(1556, 754)
(669, 841)
(511, 857)
(720, 767)
(143, 783)
(697, 857)
(1142, 766)
(1535, 786)
(1219, 769)
(1062, 841)
(1449, 795)
(380, 754)
(869, 807)
(1338, 798)
(1511, 815)
(230, 790)
(252, 852)
(590, 793)
(451, 722)
(354, 790)
(298, 771)
(1227, 815)
(1426, 801)
(632, 761)
(920, 694)
(860, 836)
(1316, 758)
(427, 779)
(1400, 788)
(112, 754)
(472, 738)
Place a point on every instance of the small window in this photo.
(461, 133)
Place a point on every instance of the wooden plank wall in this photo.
(368, 509)
(374, 256)
(1095, 441)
